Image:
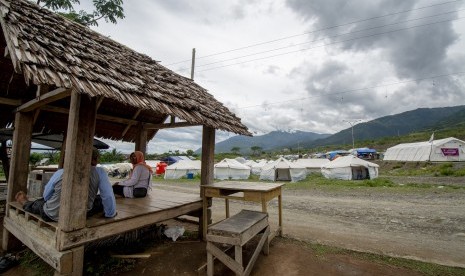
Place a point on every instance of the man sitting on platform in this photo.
(48, 207)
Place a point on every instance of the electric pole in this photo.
(352, 123)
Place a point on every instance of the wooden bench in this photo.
(237, 231)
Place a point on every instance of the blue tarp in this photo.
(365, 151)
(173, 159)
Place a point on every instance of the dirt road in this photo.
(423, 224)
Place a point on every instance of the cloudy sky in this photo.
(299, 64)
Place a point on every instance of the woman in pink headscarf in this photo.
(139, 178)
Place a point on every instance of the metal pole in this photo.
(353, 142)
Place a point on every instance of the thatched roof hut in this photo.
(58, 77)
(44, 49)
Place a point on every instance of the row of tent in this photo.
(347, 167)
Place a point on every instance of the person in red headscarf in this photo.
(140, 178)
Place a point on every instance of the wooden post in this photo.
(62, 152)
(141, 140)
(19, 168)
(5, 159)
(81, 127)
(206, 173)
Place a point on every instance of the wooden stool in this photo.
(237, 230)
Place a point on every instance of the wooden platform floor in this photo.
(156, 201)
(133, 213)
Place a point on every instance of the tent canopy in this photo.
(447, 149)
(231, 169)
(54, 141)
(283, 170)
(350, 168)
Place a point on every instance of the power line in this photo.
(316, 40)
(355, 90)
(331, 43)
(318, 30)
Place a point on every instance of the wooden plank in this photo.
(169, 125)
(259, 247)
(44, 99)
(101, 117)
(225, 259)
(39, 245)
(129, 126)
(8, 101)
(81, 126)
(19, 167)
(88, 234)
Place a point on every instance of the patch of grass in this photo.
(104, 264)
(33, 262)
(430, 269)
(314, 180)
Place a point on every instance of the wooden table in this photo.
(247, 191)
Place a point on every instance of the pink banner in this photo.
(450, 151)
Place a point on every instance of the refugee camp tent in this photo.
(231, 169)
(241, 160)
(365, 153)
(182, 169)
(332, 154)
(312, 165)
(448, 149)
(283, 170)
(257, 167)
(250, 163)
(350, 168)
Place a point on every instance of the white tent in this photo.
(350, 168)
(231, 169)
(283, 170)
(312, 165)
(182, 168)
(448, 149)
(258, 166)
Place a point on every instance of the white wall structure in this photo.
(312, 165)
(231, 169)
(181, 168)
(350, 168)
(283, 170)
(448, 149)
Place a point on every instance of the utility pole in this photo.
(193, 64)
(352, 123)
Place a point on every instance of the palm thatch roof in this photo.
(45, 49)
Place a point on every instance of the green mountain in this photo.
(421, 119)
(268, 142)
(410, 126)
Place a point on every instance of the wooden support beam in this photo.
(208, 155)
(206, 172)
(5, 160)
(42, 89)
(46, 98)
(141, 140)
(99, 116)
(19, 167)
(76, 176)
(7, 101)
(170, 125)
(129, 126)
